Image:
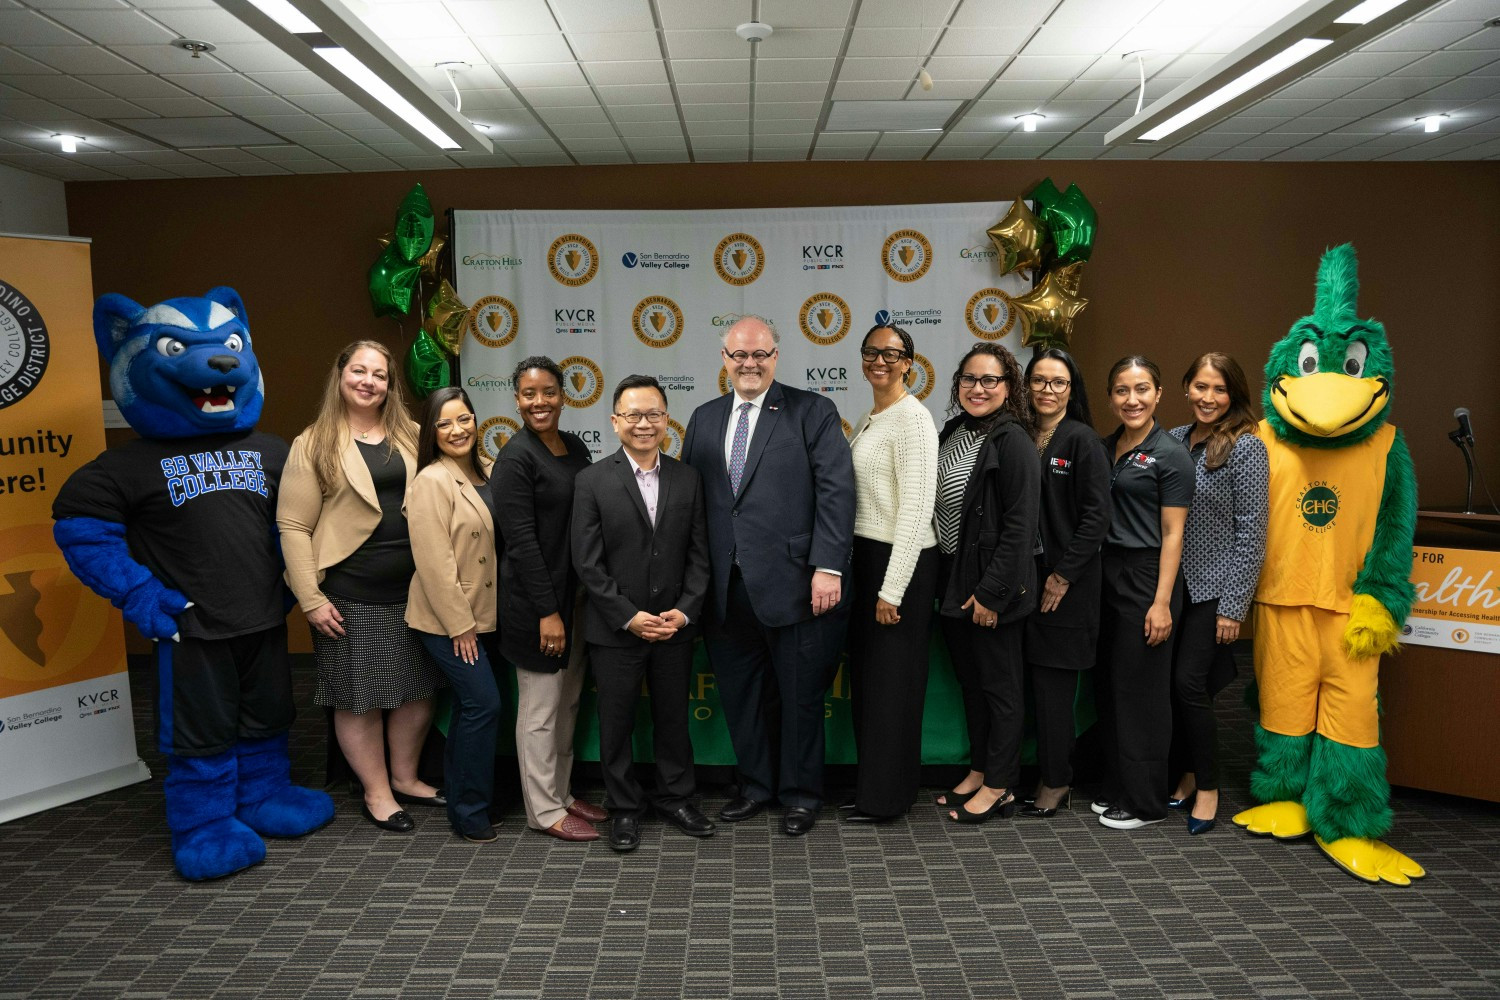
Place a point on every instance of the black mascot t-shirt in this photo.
(200, 514)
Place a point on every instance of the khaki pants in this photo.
(546, 713)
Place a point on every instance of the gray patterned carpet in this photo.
(89, 907)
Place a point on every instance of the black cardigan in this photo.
(997, 534)
(533, 498)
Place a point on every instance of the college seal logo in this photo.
(723, 381)
(24, 346)
(906, 255)
(739, 258)
(657, 321)
(583, 382)
(1319, 506)
(989, 314)
(573, 259)
(672, 443)
(923, 377)
(824, 318)
(494, 433)
(493, 321)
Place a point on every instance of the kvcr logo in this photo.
(828, 379)
(99, 698)
(823, 257)
(569, 320)
(1319, 506)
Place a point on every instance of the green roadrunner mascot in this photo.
(1335, 587)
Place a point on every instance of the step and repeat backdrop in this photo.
(609, 294)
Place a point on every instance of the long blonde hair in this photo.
(329, 431)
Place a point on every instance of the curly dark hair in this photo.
(1017, 397)
(541, 361)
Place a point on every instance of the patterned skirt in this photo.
(379, 663)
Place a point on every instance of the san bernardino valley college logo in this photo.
(906, 255)
(824, 318)
(583, 381)
(923, 377)
(573, 259)
(657, 321)
(24, 346)
(493, 321)
(989, 314)
(739, 258)
(1319, 506)
(494, 433)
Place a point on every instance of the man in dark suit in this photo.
(779, 485)
(640, 545)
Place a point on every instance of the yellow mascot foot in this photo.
(1371, 860)
(1282, 820)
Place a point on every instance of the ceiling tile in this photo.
(170, 107)
(593, 114)
(788, 109)
(800, 43)
(639, 143)
(602, 130)
(661, 155)
(616, 15)
(82, 60)
(716, 70)
(615, 46)
(789, 14)
(869, 91)
(56, 86)
(713, 93)
(657, 112)
(115, 27)
(983, 41)
(790, 91)
(886, 43)
(1372, 65)
(514, 50)
(13, 63)
(409, 20)
(1424, 36)
(1395, 88)
(163, 58)
(210, 25)
(213, 86)
(792, 70)
(1033, 67)
(705, 45)
(514, 17)
(1083, 40)
(705, 14)
(190, 132)
(736, 126)
(625, 73)
(560, 97)
(638, 130)
(25, 27)
(294, 84)
(654, 95)
(715, 112)
(318, 104)
(546, 75)
(760, 154)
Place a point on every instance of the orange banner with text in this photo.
(53, 630)
(1458, 599)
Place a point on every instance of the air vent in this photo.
(890, 116)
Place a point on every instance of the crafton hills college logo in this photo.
(739, 258)
(573, 259)
(989, 314)
(824, 318)
(583, 381)
(24, 346)
(906, 255)
(657, 321)
(493, 321)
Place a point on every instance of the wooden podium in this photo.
(1441, 726)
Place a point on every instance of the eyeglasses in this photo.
(650, 416)
(1051, 384)
(759, 357)
(464, 420)
(890, 355)
(988, 381)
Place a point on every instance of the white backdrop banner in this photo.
(609, 294)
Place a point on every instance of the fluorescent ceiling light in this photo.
(289, 17)
(1028, 122)
(69, 143)
(1430, 123)
(1238, 86)
(1309, 37)
(361, 74)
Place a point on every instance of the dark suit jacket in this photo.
(533, 498)
(795, 509)
(624, 563)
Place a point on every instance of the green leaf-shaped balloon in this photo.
(414, 224)
(392, 283)
(1073, 223)
(426, 366)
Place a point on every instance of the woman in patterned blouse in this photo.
(1222, 548)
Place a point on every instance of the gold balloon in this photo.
(1070, 276)
(446, 316)
(1047, 311)
(429, 260)
(1018, 238)
(384, 239)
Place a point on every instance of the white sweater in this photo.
(895, 486)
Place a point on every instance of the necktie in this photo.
(737, 449)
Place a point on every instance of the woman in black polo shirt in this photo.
(1151, 488)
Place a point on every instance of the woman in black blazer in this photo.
(532, 490)
(987, 524)
(1061, 634)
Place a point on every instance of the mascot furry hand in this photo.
(1335, 586)
(178, 530)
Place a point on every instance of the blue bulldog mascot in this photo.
(178, 530)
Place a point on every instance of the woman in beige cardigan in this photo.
(349, 561)
(452, 599)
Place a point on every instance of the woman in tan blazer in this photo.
(349, 561)
(452, 599)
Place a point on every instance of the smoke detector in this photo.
(753, 31)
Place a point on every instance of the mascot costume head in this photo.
(178, 530)
(1335, 586)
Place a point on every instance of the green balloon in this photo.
(393, 282)
(1073, 223)
(414, 224)
(1044, 196)
(426, 366)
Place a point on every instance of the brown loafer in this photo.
(573, 830)
(587, 811)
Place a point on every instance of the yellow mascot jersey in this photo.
(1324, 504)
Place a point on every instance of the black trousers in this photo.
(1133, 683)
(1053, 692)
(888, 679)
(618, 672)
(757, 666)
(1199, 667)
(212, 693)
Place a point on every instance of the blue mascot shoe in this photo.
(269, 803)
(207, 841)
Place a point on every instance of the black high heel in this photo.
(1035, 812)
(1005, 806)
(1186, 802)
(954, 798)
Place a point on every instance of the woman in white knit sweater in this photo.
(893, 579)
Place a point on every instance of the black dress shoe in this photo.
(396, 822)
(740, 808)
(860, 816)
(437, 801)
(689, 820)
(798, 821)
(624, 832)
(483, 835)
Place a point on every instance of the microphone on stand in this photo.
(1464, 438)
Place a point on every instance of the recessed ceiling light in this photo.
(1431, 123)
(1028, 122)
(69, 143)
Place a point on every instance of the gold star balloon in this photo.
(446, 316)
(1047, 311)
(1018, 238)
